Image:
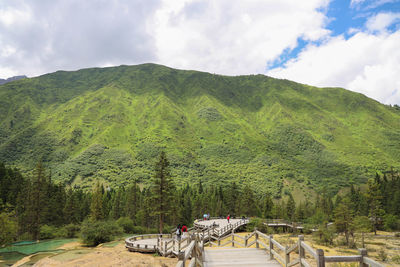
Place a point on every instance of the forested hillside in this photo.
(109, 125)
(37, 208)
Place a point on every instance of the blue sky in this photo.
(351, 44)
(343, 16)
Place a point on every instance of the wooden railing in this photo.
(276, 250)
(195, 252)
(213, 231)
(130, 242)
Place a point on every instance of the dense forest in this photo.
(38, 208)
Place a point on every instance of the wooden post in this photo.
(165, 247)
(287, 257)
(179, 246)
(320, 258)
(363, 253)
(233, 237)
(301, 249)
(219, 241)
(271, 247)
(194, 254)
(245, 241)
(181, 257)
(257, 245)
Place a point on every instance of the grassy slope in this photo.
(110, 123)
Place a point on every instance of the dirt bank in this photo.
(106, 256)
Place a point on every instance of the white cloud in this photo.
(381, 21)
(224, 36)
(364, 63)
(233, 37)
(369, 4)
(44, 36)
(10, 16)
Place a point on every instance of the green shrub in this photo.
(126, 224)
(391, 222)
(8, 228)
(47, 232)
(96, 232)
(396, 259)
(257, 223)
(143, 230)
(69, 231)
(382, 255)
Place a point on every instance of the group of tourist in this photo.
(181, 231)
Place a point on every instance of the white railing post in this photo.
(320, 258)
(271, 247)
(181, 257)
(363, 253)
(287, 256)
(233, 237)
(256, 235)
(301, 250)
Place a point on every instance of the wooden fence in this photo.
(131, 246)
(214, 230)
(195, 252)
(276, 250)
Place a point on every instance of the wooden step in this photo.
(251, 257)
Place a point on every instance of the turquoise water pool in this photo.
(13, 253)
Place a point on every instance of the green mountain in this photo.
(109, 124)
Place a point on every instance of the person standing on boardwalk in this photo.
(184, 231)
(178, 232)
(229, 216)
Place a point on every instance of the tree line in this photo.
(38, 208)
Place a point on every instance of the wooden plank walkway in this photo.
(224, 257)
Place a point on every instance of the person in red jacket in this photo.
(229, 216)
(184, 230)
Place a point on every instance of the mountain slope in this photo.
(111, 123)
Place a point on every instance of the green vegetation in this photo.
(96, 232)
(162, 189)
(109, 125)
(51, 210)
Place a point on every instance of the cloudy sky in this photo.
(353, 44)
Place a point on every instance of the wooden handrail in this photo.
(195, 247)
(303, 247)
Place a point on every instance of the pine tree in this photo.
(267, 207)
(162, 189)
(96, 207)
(232, 198)
(36, 202)
(116, 208)
(248, 205)
(71, 208)
(374, 197)
(344, 216)
(132, 201)
(290, 208)
(362, 225)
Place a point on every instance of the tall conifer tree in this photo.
(162, 190)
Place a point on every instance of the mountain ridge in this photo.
(252, 129)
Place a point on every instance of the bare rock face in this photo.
(15, 78)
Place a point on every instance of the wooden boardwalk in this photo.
(167, 244)
(229, 249)
(250, 257)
